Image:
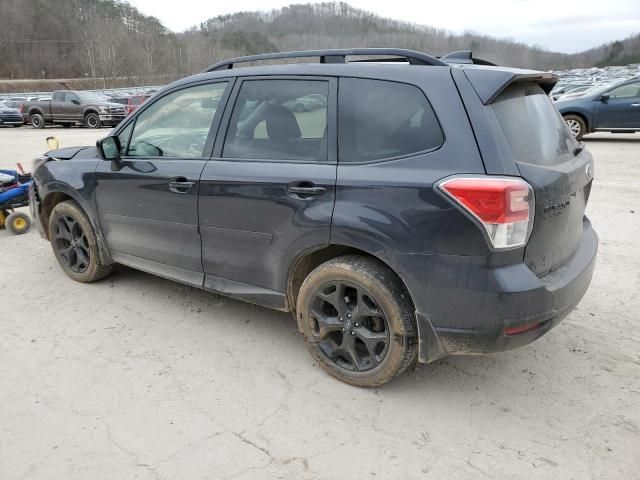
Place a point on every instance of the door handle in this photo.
(180, 185)
(305, 189)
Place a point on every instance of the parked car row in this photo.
(70, 107)
(575, 82)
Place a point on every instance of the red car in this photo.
(134, 102)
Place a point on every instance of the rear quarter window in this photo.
(380, 119)
(534, 128)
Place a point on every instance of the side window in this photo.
(628, 90)
(124, 136)
(176, 125)
(70, 97)
(279, 120)
(58, 97)
(381, 119)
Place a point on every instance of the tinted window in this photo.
(124, 137)
(628, 90)
(533, 127)
(176, 125)
(380, 119)
(280, 120)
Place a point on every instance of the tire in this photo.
(92, 120)
(577, 125)
(18, 223)
(74, 243)
(37, 121)
(378, 312)
(4, 214)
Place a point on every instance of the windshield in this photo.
(88, 97)
(534, 129)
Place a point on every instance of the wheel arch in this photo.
(61, 193)
(89, 110)
(307, 261)
(34, 111)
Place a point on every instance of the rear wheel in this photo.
(75, 244)
(92, 120)
(577, 125)
(18, 223)
(357, 320)
(37, 120)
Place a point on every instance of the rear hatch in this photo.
(560, 172)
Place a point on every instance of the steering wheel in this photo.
(191, 144)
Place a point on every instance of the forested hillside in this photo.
(109, 39)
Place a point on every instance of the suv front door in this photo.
(148, 202)
(621, 107)
(268, 192)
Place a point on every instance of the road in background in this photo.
(140, 377)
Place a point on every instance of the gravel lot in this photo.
(140, 377)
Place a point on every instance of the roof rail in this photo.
(464, 57)
(332, 56)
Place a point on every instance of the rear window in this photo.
(534, 129)
(381, 119)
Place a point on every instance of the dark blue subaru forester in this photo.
(404, 208)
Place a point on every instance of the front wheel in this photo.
(75, 244)
(92, 120)
(357, 320)
(577, 125)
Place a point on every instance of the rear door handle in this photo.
(180, 185)
(306, 189)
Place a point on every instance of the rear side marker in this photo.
(504, 207)
(523, 328)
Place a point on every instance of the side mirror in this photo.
(109, 148)
(604, 98)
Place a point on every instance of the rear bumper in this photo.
(11, 122)
(465, 307)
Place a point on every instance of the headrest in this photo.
(281, 123)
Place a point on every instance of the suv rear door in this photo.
(561, 174)
(268, 193)
(147, 203)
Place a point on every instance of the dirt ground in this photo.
(140, 377)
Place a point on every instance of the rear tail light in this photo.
(504, 207)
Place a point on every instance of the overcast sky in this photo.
(559, 25)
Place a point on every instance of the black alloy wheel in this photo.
(71, 244)
(351, 327)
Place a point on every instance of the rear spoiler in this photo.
(489, 82)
